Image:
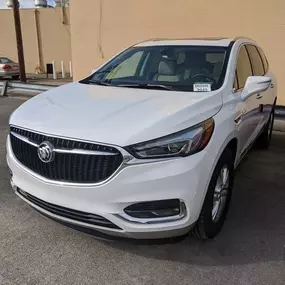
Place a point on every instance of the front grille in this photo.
(68, 213)
(67, 166)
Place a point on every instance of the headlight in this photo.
(182, 143)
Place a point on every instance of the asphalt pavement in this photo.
(249, 251)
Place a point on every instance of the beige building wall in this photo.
(101, 28)
(52, 42)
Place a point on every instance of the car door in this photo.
(264, 97)
(246, 117)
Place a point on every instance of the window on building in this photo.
(243, 67)
(256, 61)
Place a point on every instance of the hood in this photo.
(114, 115)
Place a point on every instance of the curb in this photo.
(279, 125)
(280, 111)
(27, 94)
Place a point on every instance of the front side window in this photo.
(243, 68)
(256, 61)
(165, 67)
(264, 60)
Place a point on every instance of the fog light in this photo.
(155, 211)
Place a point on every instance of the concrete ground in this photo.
(249, 251)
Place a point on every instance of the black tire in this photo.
(15, 77)
(206, 227)
(265, 137)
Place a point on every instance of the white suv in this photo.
(145, 147)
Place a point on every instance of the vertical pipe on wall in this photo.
(63, 15)
(40, 67)
(100, 30)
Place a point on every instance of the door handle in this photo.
(272, 85)
(258, 96)
(239, 117)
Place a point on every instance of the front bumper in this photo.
(183, 178)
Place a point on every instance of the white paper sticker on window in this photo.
(202, 87)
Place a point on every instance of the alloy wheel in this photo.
(221, 193)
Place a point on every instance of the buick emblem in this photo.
(45, 152)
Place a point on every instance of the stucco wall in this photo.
(101, 28)
(54, 37)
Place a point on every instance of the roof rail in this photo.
(242, 37)
(194, 38)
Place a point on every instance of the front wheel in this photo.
(217, 200)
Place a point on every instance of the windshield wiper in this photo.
(146, 86)
(98, 82)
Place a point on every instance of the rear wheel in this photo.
(15, 77)
(265, 137)
(217, 200)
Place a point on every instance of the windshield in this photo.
(182, 68)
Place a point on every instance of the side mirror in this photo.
(94, 70)
(254, 85)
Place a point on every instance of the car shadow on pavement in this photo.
(255, 228)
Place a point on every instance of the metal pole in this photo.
(70, 69)
(19, 40)
(62, 69)
(54, 70)
(4, 88)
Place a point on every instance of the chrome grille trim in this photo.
(59, 150)
(52, 176)
(24, 139)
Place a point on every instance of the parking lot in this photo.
(250, 249)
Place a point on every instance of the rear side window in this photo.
(256, 61)
(243, 69)
(4, 60)
(264, 60)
